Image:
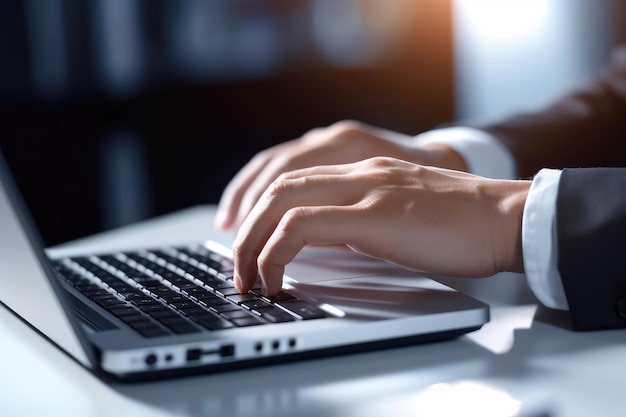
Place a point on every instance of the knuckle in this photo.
(380, 161)
(264, 155)
(385, 170)
(341, 131)
(347, 126)
(294, 217)
(347, 130)
(280, 185)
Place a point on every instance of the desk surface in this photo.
(524, 362)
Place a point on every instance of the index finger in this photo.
(302, 226)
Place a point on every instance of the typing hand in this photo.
(423, 218)
(340, 143)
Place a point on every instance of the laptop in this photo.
(157, 312)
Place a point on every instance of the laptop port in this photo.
(194, 354)
(227, 350)
(150, 359)
(197, 354)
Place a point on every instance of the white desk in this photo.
(524, 362)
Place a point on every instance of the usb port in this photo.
(227, 350)
(194, 354)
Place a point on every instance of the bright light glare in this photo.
(465, 398)
(504, 19)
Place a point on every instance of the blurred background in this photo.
(113, 111)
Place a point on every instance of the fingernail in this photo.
(219, 219)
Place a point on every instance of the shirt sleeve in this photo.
(483, 154)
(539, 240)
(488, 157)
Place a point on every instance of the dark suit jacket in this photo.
(585, 129)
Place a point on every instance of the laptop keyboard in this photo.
(177, 291)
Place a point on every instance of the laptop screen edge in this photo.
(21, 246)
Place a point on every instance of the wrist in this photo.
(513, 198)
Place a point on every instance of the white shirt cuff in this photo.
(539, 242)
(483, 154)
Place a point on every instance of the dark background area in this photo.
(112, 111)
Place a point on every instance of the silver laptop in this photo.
(148, 313)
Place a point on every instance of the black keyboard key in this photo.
(148, 328)
(239, 298)
(227, 290)
(174, 297)
(164, 292)
(219, 283)
(221, 308)
(107, 301)
(211, 281)
(280, 297)
(199, 293)
(184, 304)
(124, 288)
(247, 321)
(302, 310)
(149, 308)
(109, 279)
(213, 301)
(255, 304)
(215, 323)
(146, 281)
(193, 311)
(142, 300)
(122, 310)
(235, 314)
(179, 325)
(163, 314)
(177, 280)
(95, 293)
(275, 315)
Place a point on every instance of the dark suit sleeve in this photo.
(591, 244)
(584, 129)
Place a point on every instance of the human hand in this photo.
(340, 143)
(422, 218)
